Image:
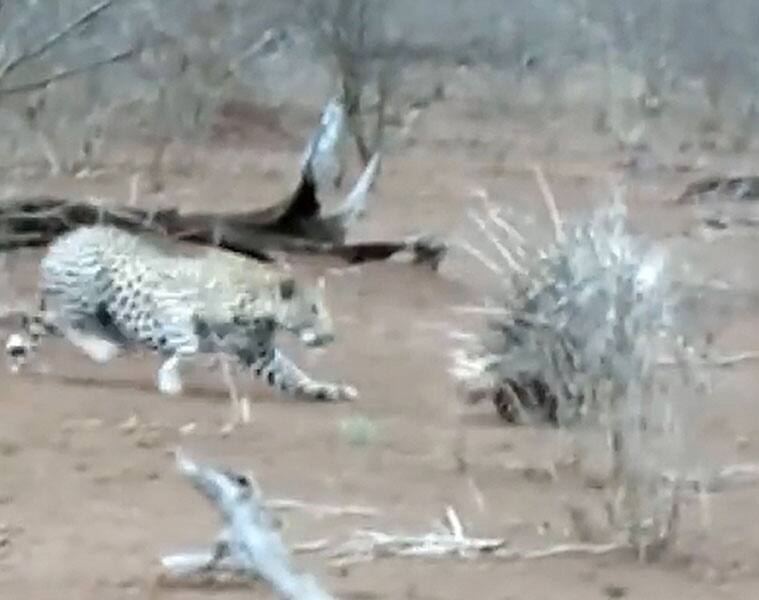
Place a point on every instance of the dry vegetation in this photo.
(128, 109)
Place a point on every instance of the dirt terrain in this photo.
(89, 497)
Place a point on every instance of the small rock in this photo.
(539, 474)
(188, 428)
(130, 425)
(342, 571)
(149, 439)
(128, 584)
(589, 576)
(596, 482)
(615, 591)
(102, 478)
(714, 576)
(8, 447)
(81, 424)
(438, 93)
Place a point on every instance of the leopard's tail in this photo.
(22, 346)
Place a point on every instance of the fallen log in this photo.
(296, 225)
(743, 188)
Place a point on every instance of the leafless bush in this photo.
(46, 46)
(577, 338)
(75, 71)
(352, 31)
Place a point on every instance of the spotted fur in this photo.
(106, 291)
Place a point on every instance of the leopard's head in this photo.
(301, 309)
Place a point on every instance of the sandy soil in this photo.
(89, 498)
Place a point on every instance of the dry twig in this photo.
(719, 480)
(322, 510)
(724, 360)
(54, 39)
(562, 550)
(369, 544)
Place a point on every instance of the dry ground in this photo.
(90, 500)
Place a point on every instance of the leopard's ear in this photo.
(287, 288)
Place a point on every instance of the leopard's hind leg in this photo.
(97, 348)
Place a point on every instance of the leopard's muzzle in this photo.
(315, 339)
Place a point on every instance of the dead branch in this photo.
(249, 549)
(322, 510)
(725, 478)
(562, 550)
(72, 72)
(248, 544)
(295, 225)
(354, 206)
(726, 360)
(451, 541)
(348, 31)
(742, 188)
(55, 38)
(367, 545)
(37, 221)
(323, 153)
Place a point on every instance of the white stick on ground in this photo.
(369, 544)
(562, 550)
(725, 478)
(727, 360)
(248, 542)
(187, 564)
(322, 510)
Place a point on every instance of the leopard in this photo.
(109, 291)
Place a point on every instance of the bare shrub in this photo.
(45, 47)
(353, 33)
(74, 72)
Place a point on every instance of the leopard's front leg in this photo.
(282, 373)
(169, 378)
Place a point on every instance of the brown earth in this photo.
(90, 501)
